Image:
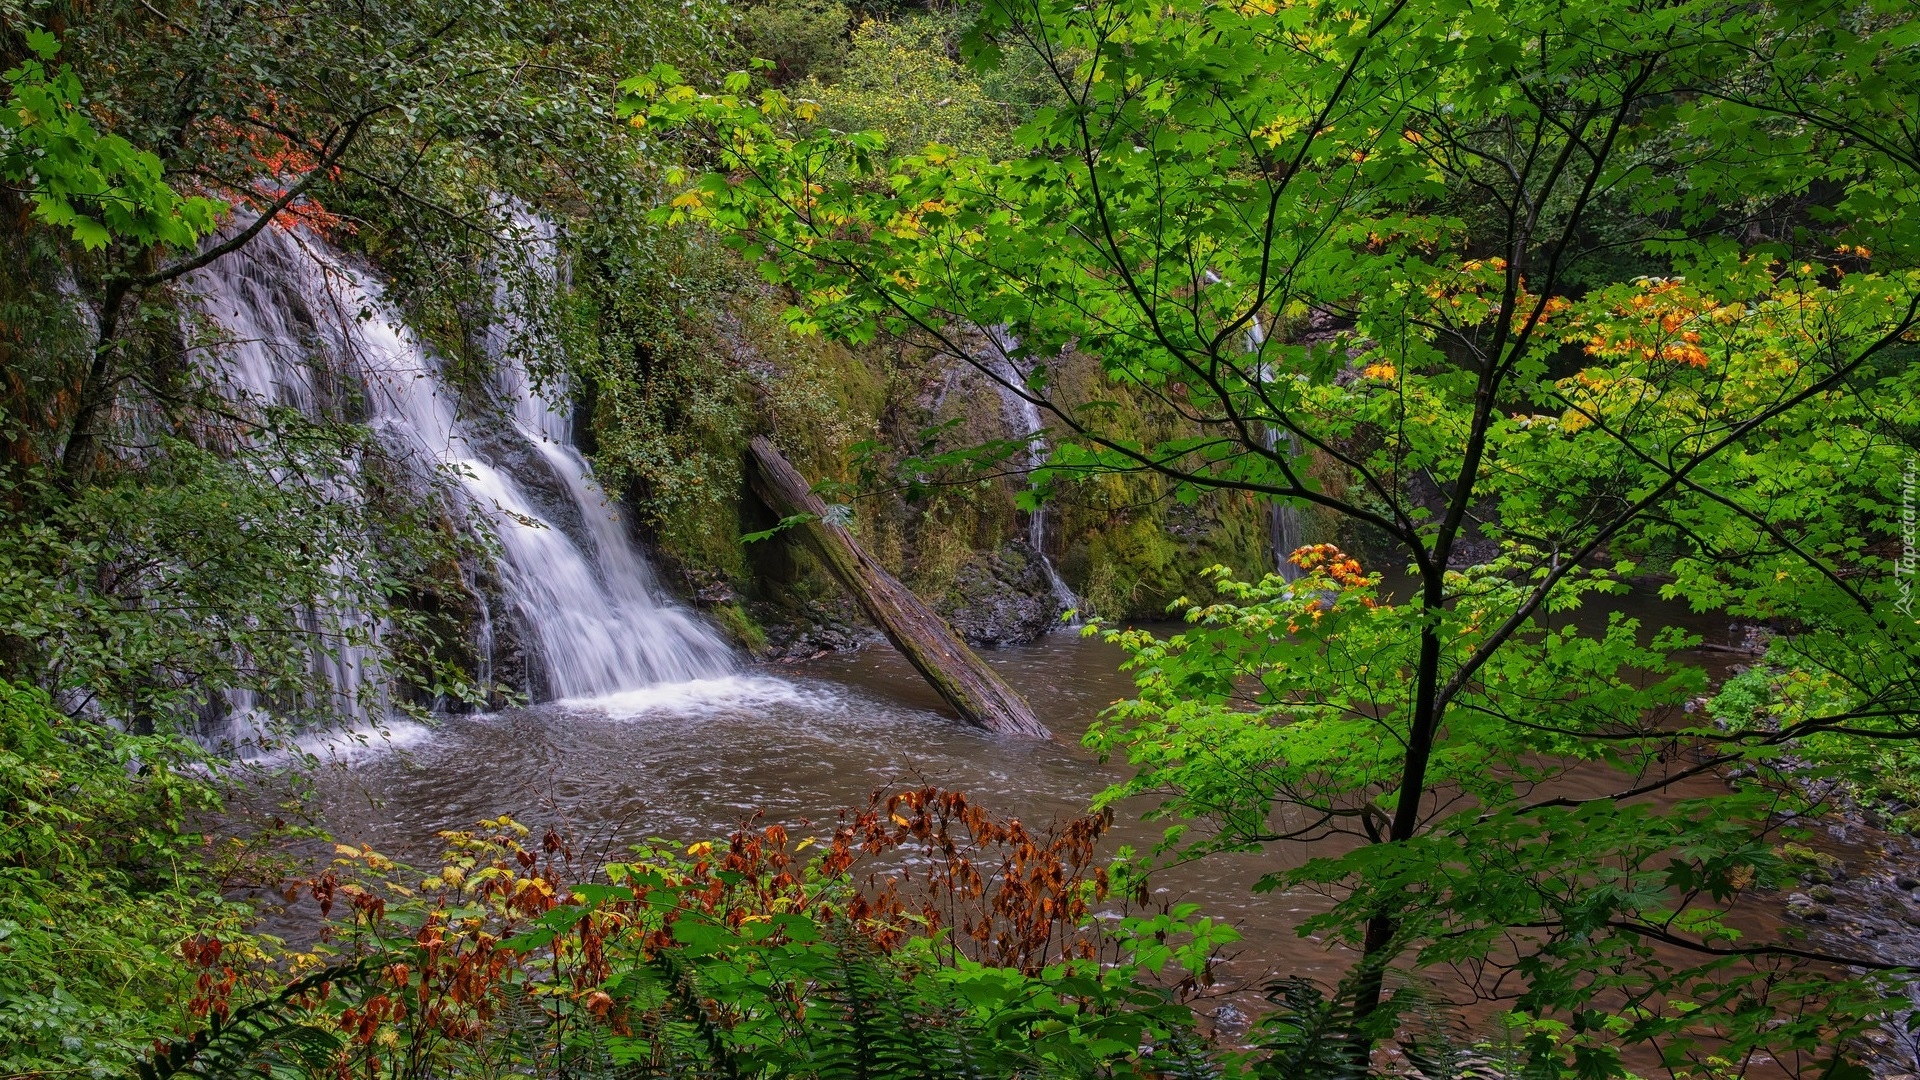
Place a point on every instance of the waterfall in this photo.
(1023, 417)
(1286, 530)
(600, 620)
(587, 599)
(1285, 527)
(269, 335)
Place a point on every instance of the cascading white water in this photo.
(266, 361)
(588, 603)
(1023, 417)
(605, 631)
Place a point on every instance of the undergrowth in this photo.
(101, 885)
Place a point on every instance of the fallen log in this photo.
(955, 671)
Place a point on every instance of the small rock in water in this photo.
(1820, 894)
(1907, 881)
(1801, 907)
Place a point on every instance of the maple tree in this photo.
(1533, 298)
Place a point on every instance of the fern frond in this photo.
(1182, 1055)
(234, 1044)
(1311, 1036)
(715, 1052)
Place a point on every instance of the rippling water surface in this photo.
(695, 760)
(799, 744)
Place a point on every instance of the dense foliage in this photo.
(1540, 303)
(746, 958)
(102, 878)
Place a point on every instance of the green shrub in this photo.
(803, 40)
(100, 887)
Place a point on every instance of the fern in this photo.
(820, 1010)
(684, 992)
(1440, 1059)
(1311, 1037)
(236, 1043)
(1183, 1056)
(1434, 1050)
(873, 1029)
(678, 1032)
(836, 1010)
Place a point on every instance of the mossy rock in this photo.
(741, 626)
(1000, 598)
(1813, 867)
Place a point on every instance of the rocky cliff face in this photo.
(871, 425)
(1124, 548)
(1001, 597)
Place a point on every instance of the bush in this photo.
(754, 956)
(807, 39)
(103, 894)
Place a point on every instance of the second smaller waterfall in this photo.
(1023, 418)
(1285, 527)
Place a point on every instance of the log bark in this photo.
(979, 695)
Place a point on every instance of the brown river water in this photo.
(802, 742)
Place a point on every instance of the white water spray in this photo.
(268, 361)
(1285, 527)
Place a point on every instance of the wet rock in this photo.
(1187, 522)
(1473, 551)
(1870, 915)
(1749, 637)
(1814, 867)
(812, 628)
(517, 664)
(996, 598)
(496, 440)
(501, 638)
(1000, 598)
(1801, 907)
(707, 588)
(1907, 882)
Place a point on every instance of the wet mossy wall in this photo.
(849, 419)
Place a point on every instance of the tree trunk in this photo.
(96, 393)
(961, 677)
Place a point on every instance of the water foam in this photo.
(338, 745)
(707, 697)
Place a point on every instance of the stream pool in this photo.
(799, 743)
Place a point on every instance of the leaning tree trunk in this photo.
(961, 677)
